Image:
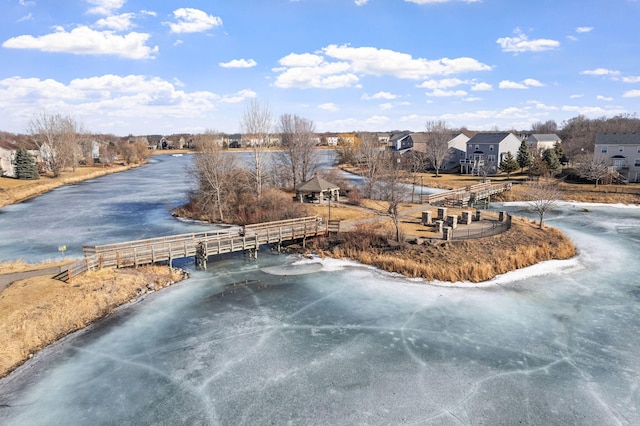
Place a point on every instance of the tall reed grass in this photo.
(38, 311)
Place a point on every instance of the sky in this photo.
(149, 67)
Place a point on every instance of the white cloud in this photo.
(191, 20)
(238, 97)
(506, 84)
(385, 107)
(521, 43)
(576, 96)
(481, 87)
(632, 94)
(544, 107)
(112, 100)
(105, 7)
(301, 60)
(532, 82)
(604, 98)
(439, 93)
(601, 71)
(445, 83)
(120, 22)
(631, 79)
(239, 63)
(361, 2)
(329, 106)
(581, 30)
(379, 95)
(373, 61)
(27, 17)
(594, 111)
(85, 41)
(27, 3)
(525, 84)
(316, 71)
(472, 99)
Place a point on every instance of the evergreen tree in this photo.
(551, 160)
(559, 150)
(538, 167)
(524, 157)
(26, 167)
(509, 165)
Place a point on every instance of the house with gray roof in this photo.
(622, 153)
(540, 142)
(485, 151)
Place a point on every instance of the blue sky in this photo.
(145, 67)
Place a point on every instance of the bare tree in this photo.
(369, 159)
(543, 195)
(58, 138)
(299, 156)
(392, 187)
(548, 126)
(437, 148)
(257, 125)
(592, 168)
(215, 171)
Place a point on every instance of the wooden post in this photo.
(69, 274)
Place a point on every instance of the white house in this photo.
(485, 151)
(622, 152)
(538, 143)
(7, 157)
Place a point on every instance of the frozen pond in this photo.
(316, 341)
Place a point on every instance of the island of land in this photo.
(37, 311)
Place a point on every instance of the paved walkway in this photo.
(7, 279)
(349, 225)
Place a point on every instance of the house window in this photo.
(490, 147)
(621, 148)
(639, 150)
(637, 163)
(604, 149)
(491, 158)
(477, 147)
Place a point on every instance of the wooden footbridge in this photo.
(463, 197)
(198, 245)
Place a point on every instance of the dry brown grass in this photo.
(473, 260)
(38, 311)
(19, 265)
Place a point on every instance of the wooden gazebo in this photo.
(317, 189)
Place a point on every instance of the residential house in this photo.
(622, 153)
(538, 143)
(348, 139)
(402, 142)
(384, 138)
(330, 139)
(485, 151)
(457, 147)
(7, 159)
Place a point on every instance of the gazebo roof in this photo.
(316, 184)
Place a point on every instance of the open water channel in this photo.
(322, 341)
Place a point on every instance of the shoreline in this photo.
(38, 312)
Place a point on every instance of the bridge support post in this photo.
(201, 256)
(442, 213)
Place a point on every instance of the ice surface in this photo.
(251, 342)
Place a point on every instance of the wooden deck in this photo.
(462, 197)
(199, 245)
